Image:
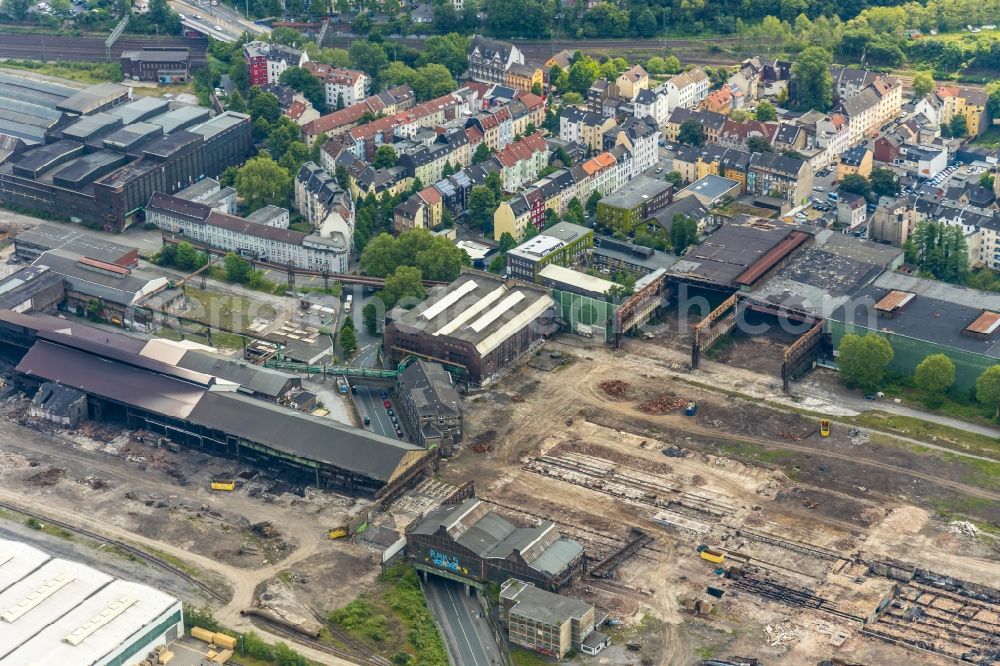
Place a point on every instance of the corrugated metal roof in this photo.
(985, 324)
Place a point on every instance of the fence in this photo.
(909, 352)
(575, 310)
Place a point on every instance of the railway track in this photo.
(132, 550)
(63, 47)
(358, 654)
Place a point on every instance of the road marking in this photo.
(451, 598)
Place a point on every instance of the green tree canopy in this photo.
(481, 154)
(368, 57)
(301, 79)
(434, 256)
(691, 133)
(582, 75)
(855, 184)
(758, 144)
(385, 157)
(187, 258)
(939, 250)
(934, 375)
(348, 338)
(683, 233)
(237, 268)
(923, 83)
(863, 360)
(369, 315)
(449, 50)
(765, 111)
(988, 389)
(592, 201)
(482, 205)
(403, 283)
(812, 84)
(885, 183)
(262, 181)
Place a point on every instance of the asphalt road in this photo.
(61, 47)
(370, 404)
(467, 636)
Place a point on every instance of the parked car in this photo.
(387, 404)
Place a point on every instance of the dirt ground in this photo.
(760, 484)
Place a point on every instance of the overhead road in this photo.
(89, 49)
(232, 24)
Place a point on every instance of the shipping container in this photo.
(224, 640)
(712, 556)
(223, 485)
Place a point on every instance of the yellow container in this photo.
(337, 533)
(202, 634)
(223, 657)
(712, 556)
(165, 657)
(223, 485)
(223, 640)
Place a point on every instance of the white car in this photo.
(217, 28)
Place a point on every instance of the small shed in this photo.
(59, 404)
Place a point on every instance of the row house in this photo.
(496, 125)
(318, 196)
(774, 175)
(490, 60)
(455, 189)
(267, 61)
(712, 160)
(850, 81)
(426, 162)
(524, 77)
(584, 127)
(364, 180)
(604, 173)
(687, 90)
(363, 140)
(387, 103)
(790, 137)
(833, 136)
(872, 107)
(631, 81)
(522, 161)
(641, 136)
(342, 87)
(599, 93)
(527, 109)
(423, 210)
(718, 101)
(947, 101)
(712, 124)
(736, 135)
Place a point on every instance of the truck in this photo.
(347, 303)
(342, 385)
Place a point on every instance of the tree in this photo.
(482, 206)
(855, 184)
(863, 360)
(369, 315)
(348, 338)
(988, 389)
(237, 268)
(986, 181)
(263, 105)
(674, 177)
(449, 50)
(993, 101)
(432, 81)
(368, 57)
(957, 126)
(884, 182)
(385, 157)
(582, 75)
(812, 84)
(17, 9)
(280, 135)
(758, 144)
(302, 80)
(262, 181)
(765, 112)
(923, 83)
(481, 154)
(518, 18)
(498, 263)
(435, 256)
(691, 133)
(558, 79)
(592, 201)
(939, 250)
(404, 283)
(187, 258)
(286, 36)
(934, 375)
(683, 233)
(507, 242)
(572, 98)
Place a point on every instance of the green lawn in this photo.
(83, 72)
(941, 435)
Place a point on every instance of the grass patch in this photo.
(84, 72)
(173, 560)
(48, 528)
(394, 618)
(758, 452)
(989, 139)
(941, 435)
(522, 657)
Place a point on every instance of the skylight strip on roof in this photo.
(44, 591)
(448, 301)
(471, 311)
(99, 620)
(496, 311)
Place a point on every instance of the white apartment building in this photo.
(833, 136)
(346, 86)
(687, 89)
(186, 220)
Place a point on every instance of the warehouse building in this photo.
(469, 543)
(203, 411)
(475, 327)
(167, 64)
(547, 622)
(102, 168)
(31, 243)
(58, 611)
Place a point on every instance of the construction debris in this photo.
(483, 442)
(858, 437)
(615, 388)
(781, 634)
(663, 403)
(673, 451)
(49, 477)
(963, 527)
